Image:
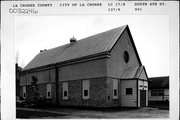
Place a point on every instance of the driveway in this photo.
(62, 113)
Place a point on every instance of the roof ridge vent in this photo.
(72, 40)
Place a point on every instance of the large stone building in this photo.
(103, 70)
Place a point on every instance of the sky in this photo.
(150, 34)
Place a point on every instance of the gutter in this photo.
(57, 84)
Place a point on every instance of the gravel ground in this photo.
(62, 113)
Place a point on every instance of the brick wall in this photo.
(99, 91)
(74, 93)
(113, 102)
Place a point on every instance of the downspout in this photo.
(137, 87)
(57, 85)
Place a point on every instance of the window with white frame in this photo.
(115, 89)
(24, 92)
(65, 90)
(48, 90)
(85, 89)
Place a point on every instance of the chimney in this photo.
(72, 40)
(43, 50)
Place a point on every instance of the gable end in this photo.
(132, 42)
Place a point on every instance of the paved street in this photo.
(63, 113)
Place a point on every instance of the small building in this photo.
(159, 88)
(103, 70)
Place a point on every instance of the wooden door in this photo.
(142, 98)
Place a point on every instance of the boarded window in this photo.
(24, 92)
(115, 89)
(157, 92)
(65, 90)
(128, 91)
(85, 89)
(48, 90)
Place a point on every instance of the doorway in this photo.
(142, 98)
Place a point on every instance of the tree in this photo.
(18, 70)
(35, 89)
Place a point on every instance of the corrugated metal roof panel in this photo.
(88, 46)
(159, 82)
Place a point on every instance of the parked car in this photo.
(20, 101)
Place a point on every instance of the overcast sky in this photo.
(150, 34)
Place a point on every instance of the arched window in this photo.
(126, 56)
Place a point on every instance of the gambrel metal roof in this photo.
(99, 43)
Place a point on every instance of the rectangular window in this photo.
(65, 90)
(24, 95)
(85, 93)
(48, 90)
(65, 93)
(115, 89)
(128, 91)
(85, 89)
(157, 92)
(115, 92)
(49, 94)
(24, 92)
